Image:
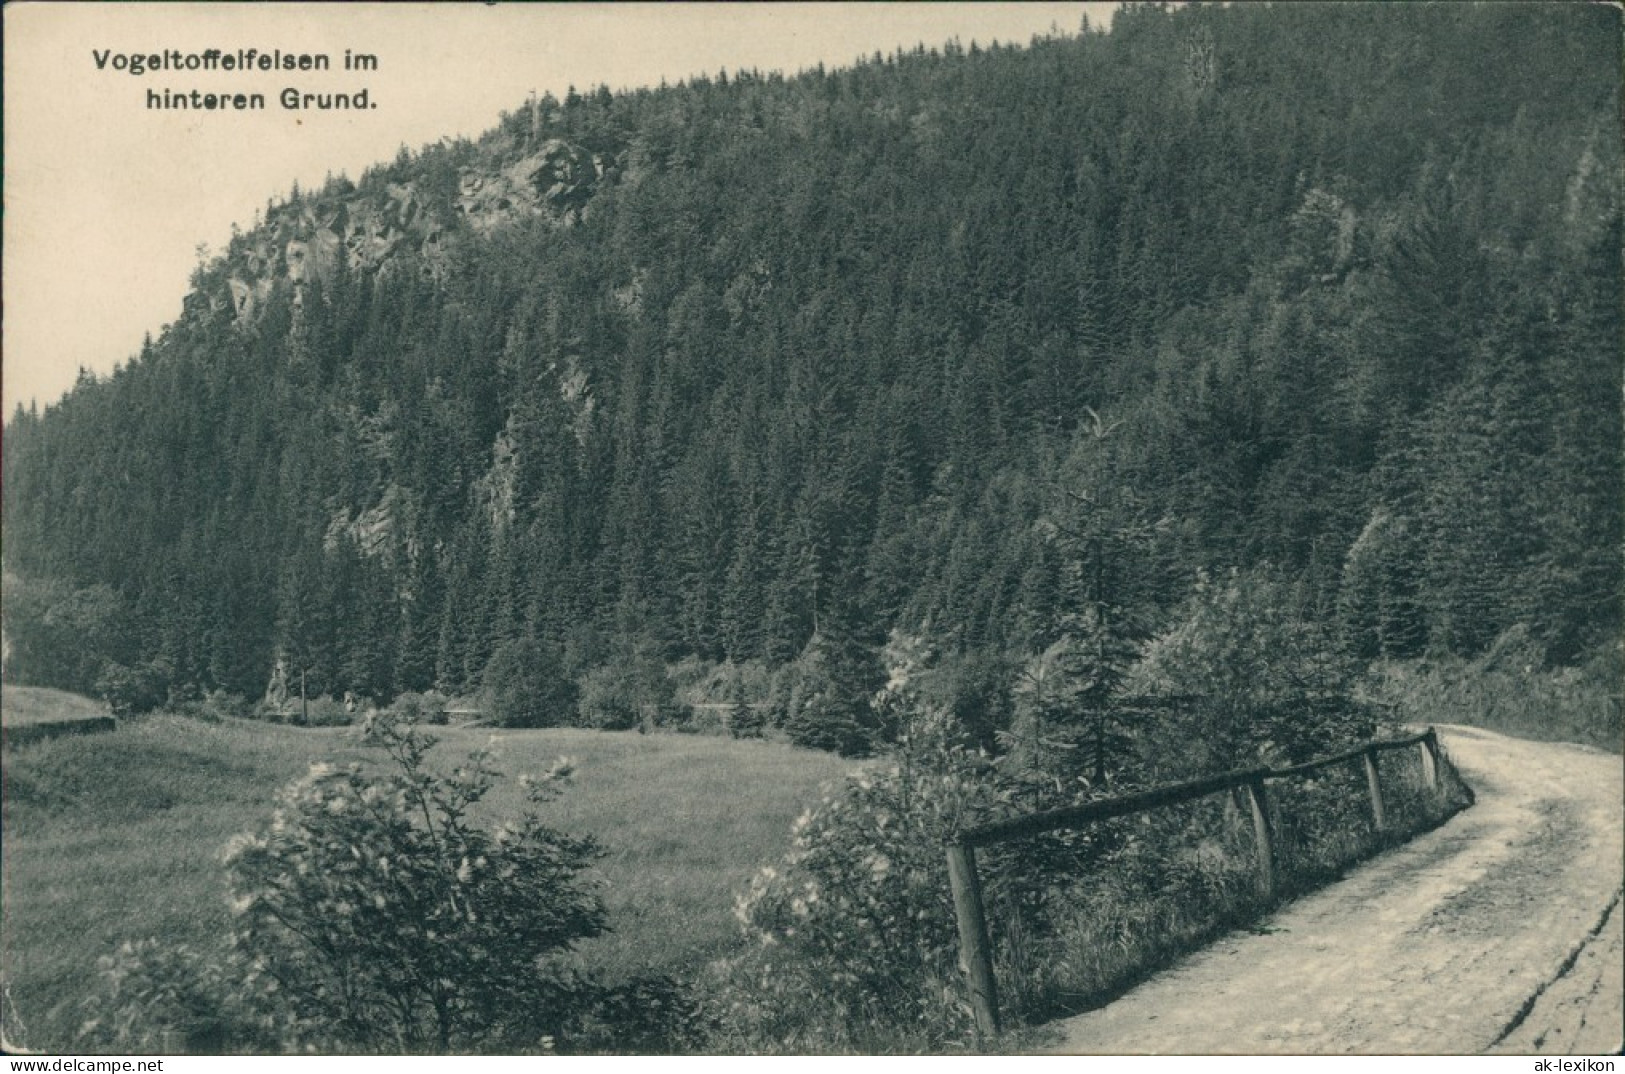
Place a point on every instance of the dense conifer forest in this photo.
(1019, 350)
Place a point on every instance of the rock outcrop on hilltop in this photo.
(559, 179)
(500, 184)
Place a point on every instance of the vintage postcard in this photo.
(811, 529)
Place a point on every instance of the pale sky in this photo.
(107, 201)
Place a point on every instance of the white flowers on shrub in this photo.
(380, 907)
(859, 910)
(370, 914)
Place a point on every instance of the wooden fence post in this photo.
(1263, 837)
(975, 951)
(1378, 819)
(1430, 760)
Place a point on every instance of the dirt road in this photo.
(1499, 932)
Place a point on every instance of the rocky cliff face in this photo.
(306, 238)
(414, 213)
(558, 179)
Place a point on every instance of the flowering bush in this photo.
(855, 944)
(854, 933)
(858, 917)
(163, 998)
(373, 915)
(379, 909)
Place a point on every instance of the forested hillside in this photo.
(994, 347)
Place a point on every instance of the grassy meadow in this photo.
(21, 706)
(119, 836)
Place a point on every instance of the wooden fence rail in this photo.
(1247, 787)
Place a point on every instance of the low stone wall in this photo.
(28, 734)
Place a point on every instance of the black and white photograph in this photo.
(812, 529)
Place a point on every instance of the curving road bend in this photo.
(1499, 932)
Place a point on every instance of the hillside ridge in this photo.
(756, 370)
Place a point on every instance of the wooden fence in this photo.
(1248, 786)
